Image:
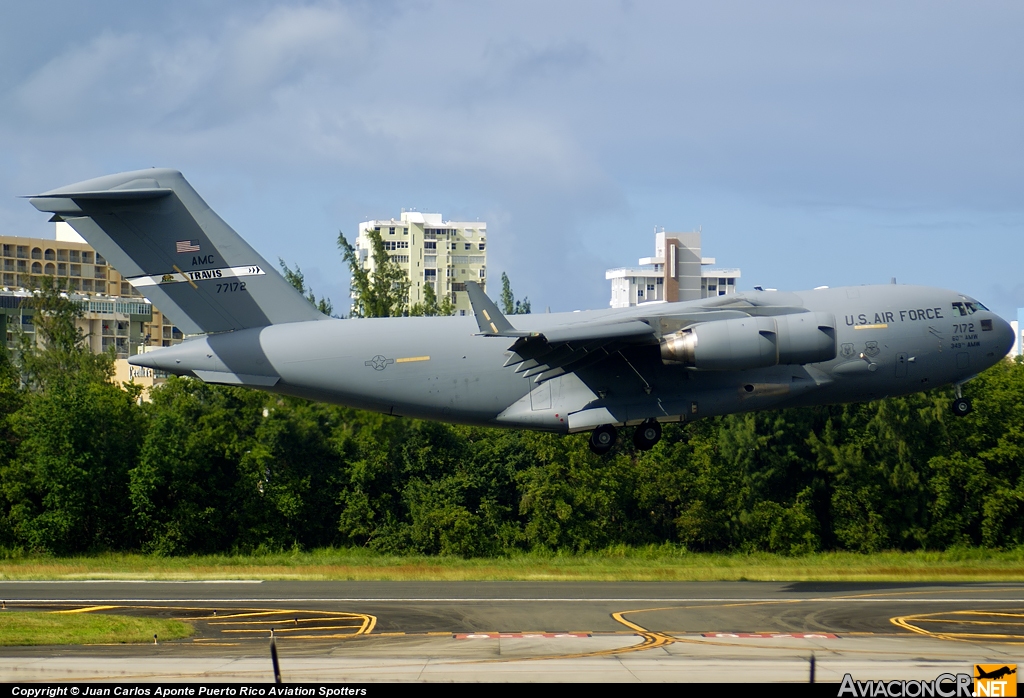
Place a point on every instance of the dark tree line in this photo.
(85, 466)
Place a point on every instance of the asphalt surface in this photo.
(493, 631)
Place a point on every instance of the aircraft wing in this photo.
(551, 352)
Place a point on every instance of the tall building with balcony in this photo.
(431, 251)
(676, 272)
(115, 316)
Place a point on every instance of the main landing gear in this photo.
(646, 435)
(961, 406)
(603, 438)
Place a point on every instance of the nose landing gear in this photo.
(603, 438)
(961, 407)
(647, 434)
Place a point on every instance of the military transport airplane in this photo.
(592, 371)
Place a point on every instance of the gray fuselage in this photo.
(890, 340)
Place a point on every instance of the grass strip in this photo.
(656, 563)
(32, 628)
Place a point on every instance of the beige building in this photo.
(431, 251)
(115, 316)
(110, 299)
(676, 272)
(124, 372)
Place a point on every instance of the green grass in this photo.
(27, 628)
(659, 563)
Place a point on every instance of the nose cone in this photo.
(1003, 335)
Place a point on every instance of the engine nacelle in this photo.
(753, 342)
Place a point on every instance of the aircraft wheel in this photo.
(962, 407)
(603, 438)
(647, 434)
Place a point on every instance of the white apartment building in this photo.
(443, 254)
(676, 272)
(1018, 333)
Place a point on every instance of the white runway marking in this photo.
(132, 581)
(824, 599)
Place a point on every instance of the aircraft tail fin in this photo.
(154, 228)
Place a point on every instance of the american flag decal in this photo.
(185, 246)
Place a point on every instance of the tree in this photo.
(58, 347)
(298, 280)
(429, 305)
(77, 435)
(186, 492)
(509, 304)
(380, 292)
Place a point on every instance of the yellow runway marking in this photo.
(293, 630)
(285, 620)
(358, 624)
(913, 624)
(87, 609)
(369, 623)
(253, 614)
(343, 636)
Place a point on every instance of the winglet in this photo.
(490, 320)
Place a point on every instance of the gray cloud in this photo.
(574, 126)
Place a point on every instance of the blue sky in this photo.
(815, 143)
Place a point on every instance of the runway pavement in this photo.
(533, 631)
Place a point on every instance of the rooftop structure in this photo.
(676, 272)
(431, 251)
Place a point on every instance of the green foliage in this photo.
(429, 306)
(297, 279)
(189, 492)
(57, 349)
(507, 300)
(47, 628)
(70, 442)
(382, 292)
(201, 469)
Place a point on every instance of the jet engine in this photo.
(753, 342)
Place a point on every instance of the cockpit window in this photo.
(967, 307)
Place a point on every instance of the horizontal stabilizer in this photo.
(111, 194)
